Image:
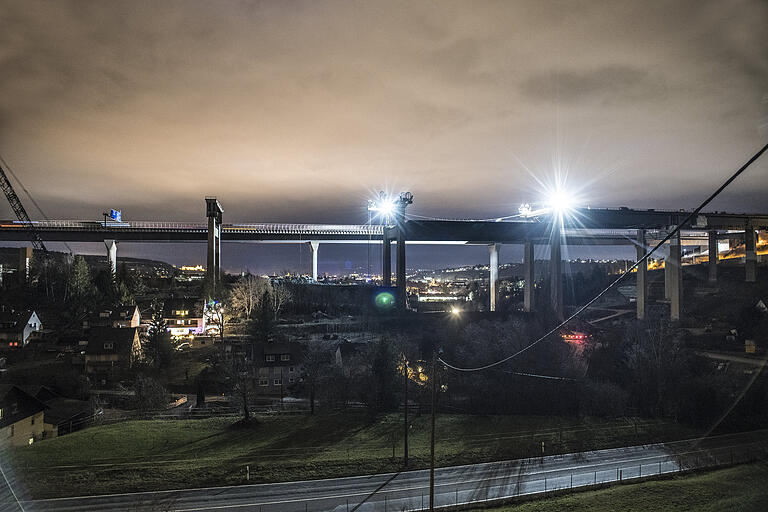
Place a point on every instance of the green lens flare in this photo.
(384, 300)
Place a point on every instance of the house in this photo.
(109, 349)
(16, 327)
(21, 417)
(63, 415)
(279, 366)
(121, 317)
(184, 317)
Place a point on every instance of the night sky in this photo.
(299, 111)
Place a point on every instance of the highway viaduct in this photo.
(623, 226)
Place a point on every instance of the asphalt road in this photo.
(410, 490)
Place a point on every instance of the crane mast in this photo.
(20, 212)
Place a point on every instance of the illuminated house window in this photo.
(270, 358)
(277, 382)
(285, 357)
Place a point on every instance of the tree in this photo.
(247, 294)
(379, 383)
(79, 283)
(280, 295)
(157, 343)
(262, 323)
(218, 312)
(149, 394)
(315, 366)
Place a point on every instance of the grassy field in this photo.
(167, 454)
(741, 488)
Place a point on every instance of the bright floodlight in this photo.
(560, 201)
(455, 311)
(386, 208)
(383, 205)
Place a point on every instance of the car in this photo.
(183, 346)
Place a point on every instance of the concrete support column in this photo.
(314, 246)
(214, 213)
(556, 273)
(667, 271)
(642, 273)
(528, 276)
(112, 255)
(25, 257)
(386, 258)
(713, 256)
(402, 295)
(675, 278)
(493, 249)
(750, 253)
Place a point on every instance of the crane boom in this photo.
(20, 212)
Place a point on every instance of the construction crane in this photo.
(20, 212)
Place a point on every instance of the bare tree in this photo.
(218, 313)
(280, 295)
(247, 293)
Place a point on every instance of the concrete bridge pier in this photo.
(750, 253)
(667, 271)
(493, 249)
(713, 256)
(674, 279)
(400, 278)
(642, 273)
(529, 276)
(386, 258)
(25, 257)
(214, 212)
(112, 255)
(314, 246)
(556, 273)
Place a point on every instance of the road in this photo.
(410, 490)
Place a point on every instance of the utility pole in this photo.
(432, 434)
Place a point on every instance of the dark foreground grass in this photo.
(173, 454)
(737, 489)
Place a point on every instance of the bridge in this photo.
(583, 226)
